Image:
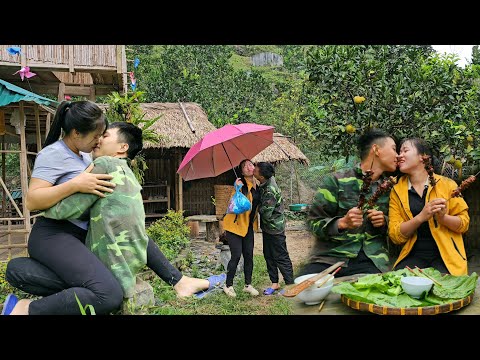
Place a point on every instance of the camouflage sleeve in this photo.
(76, 205)
(324, 209)
(267, 205)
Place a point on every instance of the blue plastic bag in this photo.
(239, 203)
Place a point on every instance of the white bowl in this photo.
(415, 286)
(314, 295)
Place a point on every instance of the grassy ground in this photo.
(216, 303)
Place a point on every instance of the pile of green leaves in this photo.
(386, 289)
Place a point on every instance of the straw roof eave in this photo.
(281, 150)
(173, 127)
(176, 132)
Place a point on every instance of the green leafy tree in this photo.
(203, 74)
(127, 108)
(475, 55)
(406, 90)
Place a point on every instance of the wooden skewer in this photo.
(424, 274)
(428, 276)
(328, 277)
(295, 290)
(321, 306)
(332, 275)
(414, 273)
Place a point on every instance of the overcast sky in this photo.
(463, 51)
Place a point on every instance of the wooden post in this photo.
(179, 187)
(168, 198)
(23, 167)
(47, 124)
(23, 56)
(124, 68)
(119, 59)
(2, 123)
(61, 92)
(298, 185)
(92, 96)
(291, 183)
(37, 125)
(71, 67)
(4, 175)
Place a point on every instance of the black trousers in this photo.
(359, 265)
(423, 260)
(60, 266)
(277, 258)
(240, 246)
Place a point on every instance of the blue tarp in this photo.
(10, 93)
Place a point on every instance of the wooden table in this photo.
(211, 225)
(334, 306)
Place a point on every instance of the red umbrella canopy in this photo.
(222, 149)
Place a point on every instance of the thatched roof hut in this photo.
(176, 129)
(282, 150)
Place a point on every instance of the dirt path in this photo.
(299, 242)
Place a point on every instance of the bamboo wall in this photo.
(83, 55)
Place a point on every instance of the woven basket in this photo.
(223, 194)
(425, 310)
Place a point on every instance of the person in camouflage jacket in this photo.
(272, 223)
(116, 234)
(343, 231)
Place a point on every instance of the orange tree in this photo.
(203, 74)
(405, 90)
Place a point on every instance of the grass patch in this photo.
(219, 303)
(239, 62)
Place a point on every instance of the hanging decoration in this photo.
(25, 73)
(14, 50)
(133, 81)
(136, 62)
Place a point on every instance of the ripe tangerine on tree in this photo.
(350, 129)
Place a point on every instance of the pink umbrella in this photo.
(222, 149)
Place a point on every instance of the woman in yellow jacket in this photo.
(239, 232)
(420, 217)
